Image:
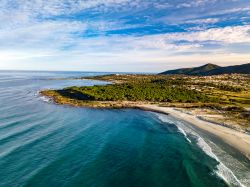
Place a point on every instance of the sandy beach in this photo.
(238, 140)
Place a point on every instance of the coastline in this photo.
(238, 140)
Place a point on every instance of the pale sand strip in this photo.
(236, 139)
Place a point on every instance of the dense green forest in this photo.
(157, 90)
(224, 90)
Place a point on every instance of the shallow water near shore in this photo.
(43, 144)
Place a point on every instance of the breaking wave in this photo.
(221, 170)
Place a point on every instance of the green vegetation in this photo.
(224, 90)
(153, 88)
(138, 92)
(221, 87)
(227, 96)
(228, 89)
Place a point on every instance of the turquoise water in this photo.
(43, 144)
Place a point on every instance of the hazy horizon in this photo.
(123, 35)
(139, 72)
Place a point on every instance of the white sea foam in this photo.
(184, 133)
(168, 120)
(43, 98)
(222, 171)
(165, 119)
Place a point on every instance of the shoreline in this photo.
(238, 140)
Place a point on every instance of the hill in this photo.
(211, 69)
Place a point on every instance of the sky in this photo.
(123, 35)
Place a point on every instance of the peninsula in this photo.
(218, 104)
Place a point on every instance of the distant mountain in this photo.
(211, 69)
(244, 69)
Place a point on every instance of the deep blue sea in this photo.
(48, 145)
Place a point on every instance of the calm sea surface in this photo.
(43, 144)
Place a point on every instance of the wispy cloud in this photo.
(112, 31)
(203, 21)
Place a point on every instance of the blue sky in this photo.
(123, 35)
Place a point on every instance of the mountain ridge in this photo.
(210, 69)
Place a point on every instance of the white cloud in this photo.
(195, 3)
(38, 35)
(232, 10)
(230, 34)
(18, 13)
(56, 36)
(203, 21)
(28, 36)
(56, 7)
(161, 5)
(190, 41)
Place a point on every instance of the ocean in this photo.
(48, 145)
